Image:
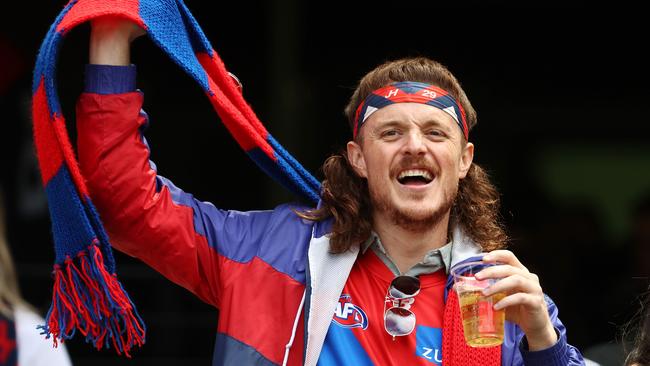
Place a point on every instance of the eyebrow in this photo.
(397, 123)
(390, 123)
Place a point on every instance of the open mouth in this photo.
(415, 177)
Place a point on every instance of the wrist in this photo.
(543, 339)
(110, 41)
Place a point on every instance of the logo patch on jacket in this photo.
(349, 315)
(429, 344)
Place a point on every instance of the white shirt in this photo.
(33, 348)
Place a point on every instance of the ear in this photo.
(356, 158)
(466, 158)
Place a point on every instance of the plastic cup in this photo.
(482, 325)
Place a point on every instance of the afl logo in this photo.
(349, 315)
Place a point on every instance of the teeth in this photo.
(415, 173)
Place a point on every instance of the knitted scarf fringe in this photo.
(89, 299)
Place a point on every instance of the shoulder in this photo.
(289, 211)
(285, 218)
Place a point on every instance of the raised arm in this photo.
(145, 215)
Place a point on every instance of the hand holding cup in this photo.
(524, 303)
(482, 322)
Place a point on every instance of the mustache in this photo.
(414, 161)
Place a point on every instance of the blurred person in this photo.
(20, 341)
(639, 355)
(403, 200)
(637, 331)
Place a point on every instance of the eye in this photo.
(390, 133)
(435, 133)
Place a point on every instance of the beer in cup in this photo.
(482, 325)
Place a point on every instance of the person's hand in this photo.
(110, 40)
(524, 302)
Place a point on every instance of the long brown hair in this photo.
(345, 196)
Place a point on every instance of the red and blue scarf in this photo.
(87, 296)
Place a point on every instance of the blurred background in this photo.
(562, 98)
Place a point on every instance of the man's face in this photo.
(413, 156)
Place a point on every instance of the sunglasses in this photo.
(399, 320)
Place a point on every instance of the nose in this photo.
(415, 143)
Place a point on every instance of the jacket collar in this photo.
(328, 273)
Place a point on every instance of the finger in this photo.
(527, 300)
(503, 256)
(500, 271)
(513, 284)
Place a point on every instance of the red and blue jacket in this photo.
(237, 260)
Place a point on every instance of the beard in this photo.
(413, 219)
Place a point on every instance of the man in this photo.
(405, 198)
